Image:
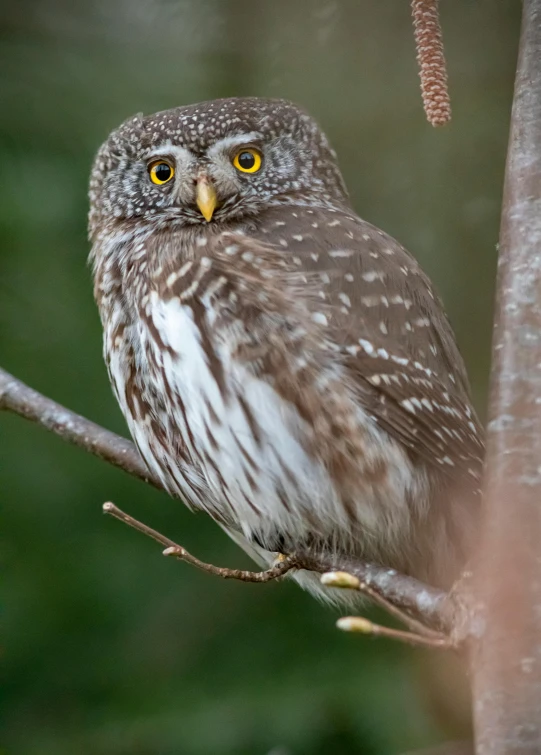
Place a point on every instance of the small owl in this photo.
(282, 364)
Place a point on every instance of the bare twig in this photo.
(431, 59)
(427, 605)
(173, 549)
(364, 626)
(432, 607)
(419, 634)
(349, 582)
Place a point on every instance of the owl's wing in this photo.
(391, 328)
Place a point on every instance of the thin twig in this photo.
(431, 59)
(429, 605)
(364, 626)
(173, 549)
(337, 579)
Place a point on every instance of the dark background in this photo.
(108, 648)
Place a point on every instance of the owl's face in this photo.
(211, 163)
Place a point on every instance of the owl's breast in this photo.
(244, 443)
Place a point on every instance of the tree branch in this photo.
(364, 626)
(432, 607)
(410, 598)
(345, 580)
(179, 552)
(506, 599)
(20, 399)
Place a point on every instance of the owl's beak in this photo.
(205, 197)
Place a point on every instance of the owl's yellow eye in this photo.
(247, 161)
(160, 172)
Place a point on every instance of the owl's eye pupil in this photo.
(246, 160)
(162, 172)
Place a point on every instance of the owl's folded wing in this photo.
(391, 329)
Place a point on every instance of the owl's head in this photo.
(212, 162)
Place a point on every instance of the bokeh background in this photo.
(108, 648)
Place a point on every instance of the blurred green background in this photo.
(108, 648)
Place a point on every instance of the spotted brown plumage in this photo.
(283, 365)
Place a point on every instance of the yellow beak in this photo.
(205, 197)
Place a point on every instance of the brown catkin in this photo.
(432, 68)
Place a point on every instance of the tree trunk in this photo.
(506, 658)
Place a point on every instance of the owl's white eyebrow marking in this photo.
(181, 154)
(222, 145)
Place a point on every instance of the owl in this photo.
(281, 363)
